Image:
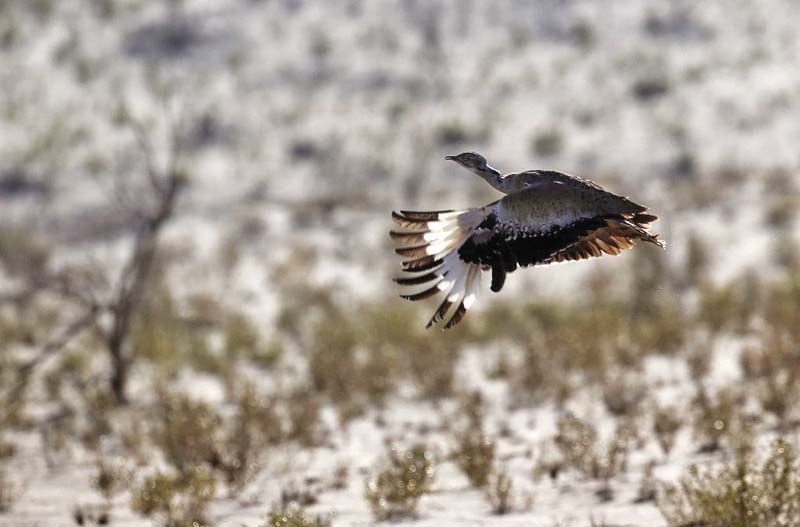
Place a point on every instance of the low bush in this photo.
(405, 477)
(741, 493)
(499, 492)
(177, 500)
(294, 517)
(9, 492)
(475, 456)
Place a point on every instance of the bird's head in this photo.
(470, 160)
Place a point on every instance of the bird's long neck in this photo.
(491, 175)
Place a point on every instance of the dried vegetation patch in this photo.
(745, 492)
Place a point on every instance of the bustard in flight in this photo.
(544, 217)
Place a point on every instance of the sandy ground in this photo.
(313, 119)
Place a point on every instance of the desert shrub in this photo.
(475, 450)
(698, 359)
(741, 493)
(97, 514)
(782, 310)
(726, 308)
(623, 394)
(7, 449)
(697, 260)
(667, 422)
(111, 478)
(186, 431)
(580, 447)
(648, 489)
(302, 411)
(358, 356)
(561, 345)
(332, 358)
(56, 432)
(475, 455)
(240, 335)
(9, 492)
(576, 440)
(772, 367)
(454, 133)
(404, 478)
(241, 342)
(559, 340)
(662, 329)
(161, 336)
(547, 143)
(294, 517)
(191, 434)
(305, 495)
(74, 385)
(21, 255)
(781, 211)
(499, 492)
(786, 251)
(651, 87)
(253, 427)
(718, 420)
(548, 463)
(400, 346)
(176, 499)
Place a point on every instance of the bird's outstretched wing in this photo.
(546, 224)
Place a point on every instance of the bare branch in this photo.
(58, 343)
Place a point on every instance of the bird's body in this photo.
(545, 217)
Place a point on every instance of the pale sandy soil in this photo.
(322, 116)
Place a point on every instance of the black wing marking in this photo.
(508, 247)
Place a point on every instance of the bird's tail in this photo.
(429, 243)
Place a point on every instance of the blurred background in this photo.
(197, 319)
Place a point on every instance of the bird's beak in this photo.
(449, 158)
